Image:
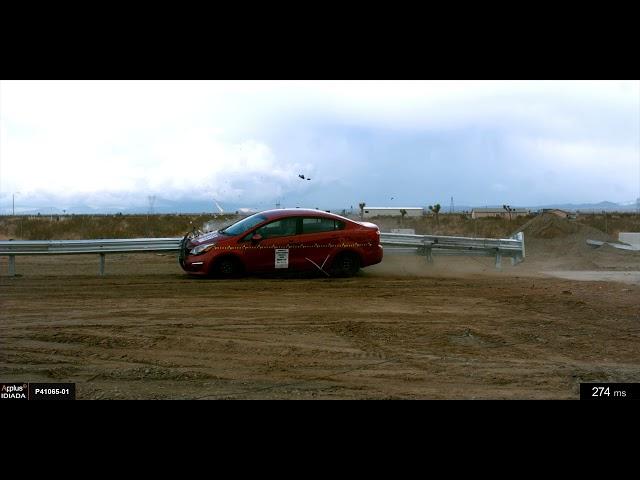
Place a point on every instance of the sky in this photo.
(108, 145)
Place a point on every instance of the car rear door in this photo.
(319, 237)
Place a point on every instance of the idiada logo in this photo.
(13, 391)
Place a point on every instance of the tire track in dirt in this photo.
(167, 336)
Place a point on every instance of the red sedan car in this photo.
(287, 240)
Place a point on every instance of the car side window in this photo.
(317, 225)
(280, 228)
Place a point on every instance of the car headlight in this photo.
(200, 249)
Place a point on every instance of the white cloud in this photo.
(584, 155)
(249, 140)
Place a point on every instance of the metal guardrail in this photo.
(11, 248)
(57, 247)
(619, 245)
(429, 245)
(393, 243)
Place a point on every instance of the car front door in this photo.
(275, 251)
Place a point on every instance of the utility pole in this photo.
(13, 203)
(152, 201)
(451, 207)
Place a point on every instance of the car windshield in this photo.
(243, 225)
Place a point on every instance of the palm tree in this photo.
(508, 209)
(435, 209)
(362, 205)
(403, 212)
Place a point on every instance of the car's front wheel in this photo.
(346, 265)
(227, 267)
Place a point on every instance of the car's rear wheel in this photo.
(346, 265)
(228, 267)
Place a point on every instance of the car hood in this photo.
(211, 237)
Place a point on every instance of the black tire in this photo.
(227, 267)
(183, 250)
(346, 265)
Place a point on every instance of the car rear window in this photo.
(317, 225)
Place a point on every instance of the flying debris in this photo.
(218, 205)
(301, 176)
(308, 179)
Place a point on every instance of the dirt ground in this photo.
(399, 330)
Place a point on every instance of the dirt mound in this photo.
(553, 242)
(550, 226)
(610, 258)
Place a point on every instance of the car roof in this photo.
(299, 212)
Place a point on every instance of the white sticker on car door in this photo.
(282, 258)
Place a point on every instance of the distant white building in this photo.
(370, 212)
(246, 211)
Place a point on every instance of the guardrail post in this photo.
(102, 264)
(498, 260)
(428, 253)
(12, 265)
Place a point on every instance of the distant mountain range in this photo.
(572, 207)
(606, 206)
(160, 206)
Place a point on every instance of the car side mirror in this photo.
(256, 237)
